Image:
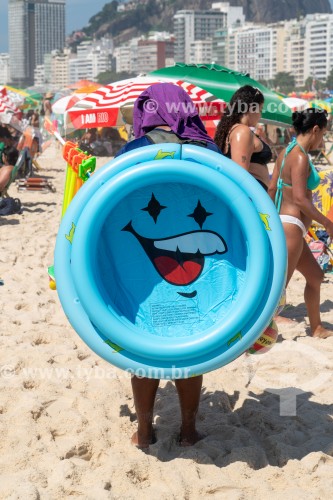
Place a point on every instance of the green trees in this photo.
(284, 82)
(111, 76)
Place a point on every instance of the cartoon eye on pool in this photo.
(179, 259)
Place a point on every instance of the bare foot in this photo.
(322, 333)
(143, 441)
(190, 438)
(281, 320)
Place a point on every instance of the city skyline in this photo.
(78, 13)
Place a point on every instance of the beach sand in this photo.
(67, 416)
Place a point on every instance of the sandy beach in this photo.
(67, 416)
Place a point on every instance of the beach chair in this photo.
(30, 140)
(321, 155)
(22, 168)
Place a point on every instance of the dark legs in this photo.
(189, 391)
(144, 392)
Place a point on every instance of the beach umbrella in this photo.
(21, 98)
(296, 104)
(321, 104)
(36, 93)
(61, 93)
(60, 106)
(18, 96)
(84, 83)
(106, 106)
(88, 89)
(223, 83)
(8, 107)
(307, 95)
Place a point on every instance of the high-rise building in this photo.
(4, 69)
(220, 46)
(294, 51)
(302, 47)
(255, 51)
(93, 58)
(318, 47)
(201, 51)
(235, 15)
(155, 52)
(36, 27)
(191, 25)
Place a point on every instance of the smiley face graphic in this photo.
(175, 255)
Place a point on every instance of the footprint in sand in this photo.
(81, 451)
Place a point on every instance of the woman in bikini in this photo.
(293, 180)
(235, 136)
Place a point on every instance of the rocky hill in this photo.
(142, 16)
(278, 10)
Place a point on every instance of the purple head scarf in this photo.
(168, 104)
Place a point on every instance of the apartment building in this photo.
(293, 55)
(4, 69)
(154, 54)
(126, 57)
(252, 49)
(201, 51)
(318, 46)
(93, 58)
(191, 25)
(35, 27)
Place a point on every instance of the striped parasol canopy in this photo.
(7, 105)
(60, 106)
(105, 107)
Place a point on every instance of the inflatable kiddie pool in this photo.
(170, 261)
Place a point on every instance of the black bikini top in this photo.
(262, 157)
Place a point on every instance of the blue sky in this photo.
(78, 13)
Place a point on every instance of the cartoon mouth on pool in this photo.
(179, 259)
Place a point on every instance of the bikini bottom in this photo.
(293, 220)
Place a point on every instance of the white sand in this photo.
(66, 416)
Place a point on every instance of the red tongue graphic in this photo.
(175, 273)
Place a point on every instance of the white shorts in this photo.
(293, 220)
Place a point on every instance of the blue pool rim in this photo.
(97, 339)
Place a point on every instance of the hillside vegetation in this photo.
(149, 15)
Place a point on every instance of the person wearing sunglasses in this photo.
(293, 180)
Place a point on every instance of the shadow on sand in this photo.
(256, 433)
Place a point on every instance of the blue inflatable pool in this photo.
(170, 261)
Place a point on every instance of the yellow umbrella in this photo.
(17, 91)
(318, 103)
(30, 101)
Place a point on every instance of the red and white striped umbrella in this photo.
(60, 106)
(6, 103)
(102, 107)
